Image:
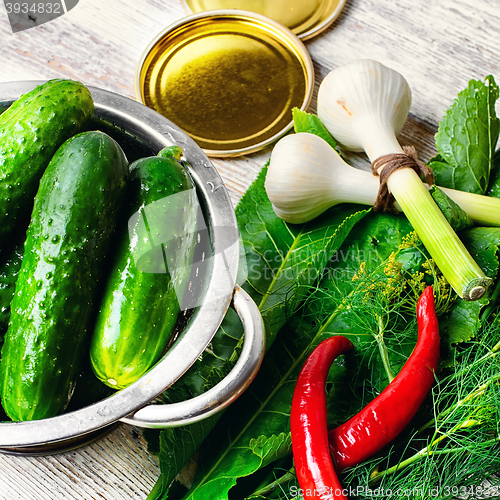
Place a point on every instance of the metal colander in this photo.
(143, 132)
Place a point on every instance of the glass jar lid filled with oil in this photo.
(227, 78)
(306, 18)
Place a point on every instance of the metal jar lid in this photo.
(305, 18)
(228, 78)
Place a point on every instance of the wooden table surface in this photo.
(437, 45)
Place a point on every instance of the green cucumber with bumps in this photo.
(72, 224)
(31, 131)
(140, 306)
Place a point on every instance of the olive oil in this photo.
(230, 81)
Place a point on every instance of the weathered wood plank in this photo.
(117, 466)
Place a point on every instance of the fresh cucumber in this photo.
(72, 223)
(140, 305)
(31, 131)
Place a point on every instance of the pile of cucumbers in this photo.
(71, 288)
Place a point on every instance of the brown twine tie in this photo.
(391, 163)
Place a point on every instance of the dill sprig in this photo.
(451, 450)
(456, 452)
(380, 301)
(403, 276)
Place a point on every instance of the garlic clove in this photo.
(306, 176)
(364, 105)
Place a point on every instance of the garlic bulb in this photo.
(306, 176)
(364, 105)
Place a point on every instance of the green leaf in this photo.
(443, 172)
(458, 218)
(482, 243)
(373, 241)
(494, 186)
(263, 412)
(159, 490)
(270, 448)
(174, 447)
(307, 122)
(466, 138)
(462, 322)
(283, 261)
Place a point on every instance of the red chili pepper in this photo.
(389, 413)
(308, 422)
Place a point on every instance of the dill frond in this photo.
(456, 453)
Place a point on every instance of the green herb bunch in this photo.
(457, 451)
(358, 273)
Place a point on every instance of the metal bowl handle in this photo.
(158, 416)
